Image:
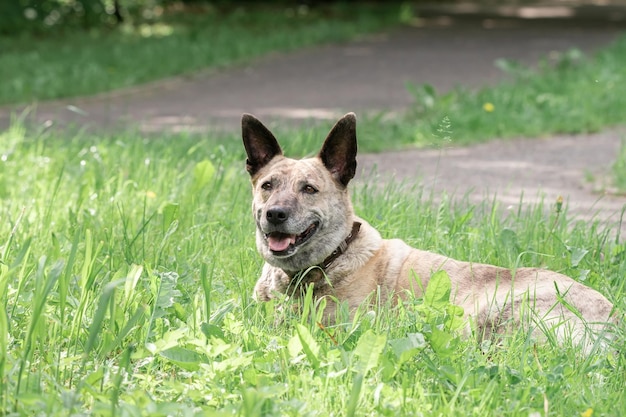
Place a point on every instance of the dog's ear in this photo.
(338, 153)
(261, 146)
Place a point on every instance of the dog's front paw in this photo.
(273, 280)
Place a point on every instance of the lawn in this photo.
(127, 262)
(70, 62)
(572, 93)
(126, 271)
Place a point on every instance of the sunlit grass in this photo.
(126, 271)
(573, 94)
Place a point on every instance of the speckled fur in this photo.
(493, 298)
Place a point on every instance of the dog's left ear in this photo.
(261, 146)
(338, 153)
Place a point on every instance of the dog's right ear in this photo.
(261, 146)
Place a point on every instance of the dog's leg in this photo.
(273, 280)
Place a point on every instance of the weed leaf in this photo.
(577, 255)
(211, 330)
(167, 292)
(98, 319)
(185, 358)
(170, 213)
(131, 283)
(444, 343)
(309, 345)
(407, 347)
(438, 291)
(202, 173)
(368, 351)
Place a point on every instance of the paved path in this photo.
(323, 82)
(574, 167)
(370, 74)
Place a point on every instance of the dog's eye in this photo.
(309, 189)
(267, 185)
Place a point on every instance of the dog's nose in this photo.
(277, 215)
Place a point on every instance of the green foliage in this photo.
(125, 289)
(40, 15)
(75, 61)
(443, 318)
(572, 94)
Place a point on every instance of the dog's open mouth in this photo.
(284, 244)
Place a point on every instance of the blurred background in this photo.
(44, 15)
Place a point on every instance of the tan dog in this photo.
(305, 222)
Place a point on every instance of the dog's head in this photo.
(301, 207)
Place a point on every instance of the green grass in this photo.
(571, 94)
(71, 62)
(126, 271)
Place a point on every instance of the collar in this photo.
(356, 226)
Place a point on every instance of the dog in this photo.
(308, 235)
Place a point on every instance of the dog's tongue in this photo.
(279, 242)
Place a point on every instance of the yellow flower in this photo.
(150, 194)
(488, 107)
(559, 203)
(587, 413)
